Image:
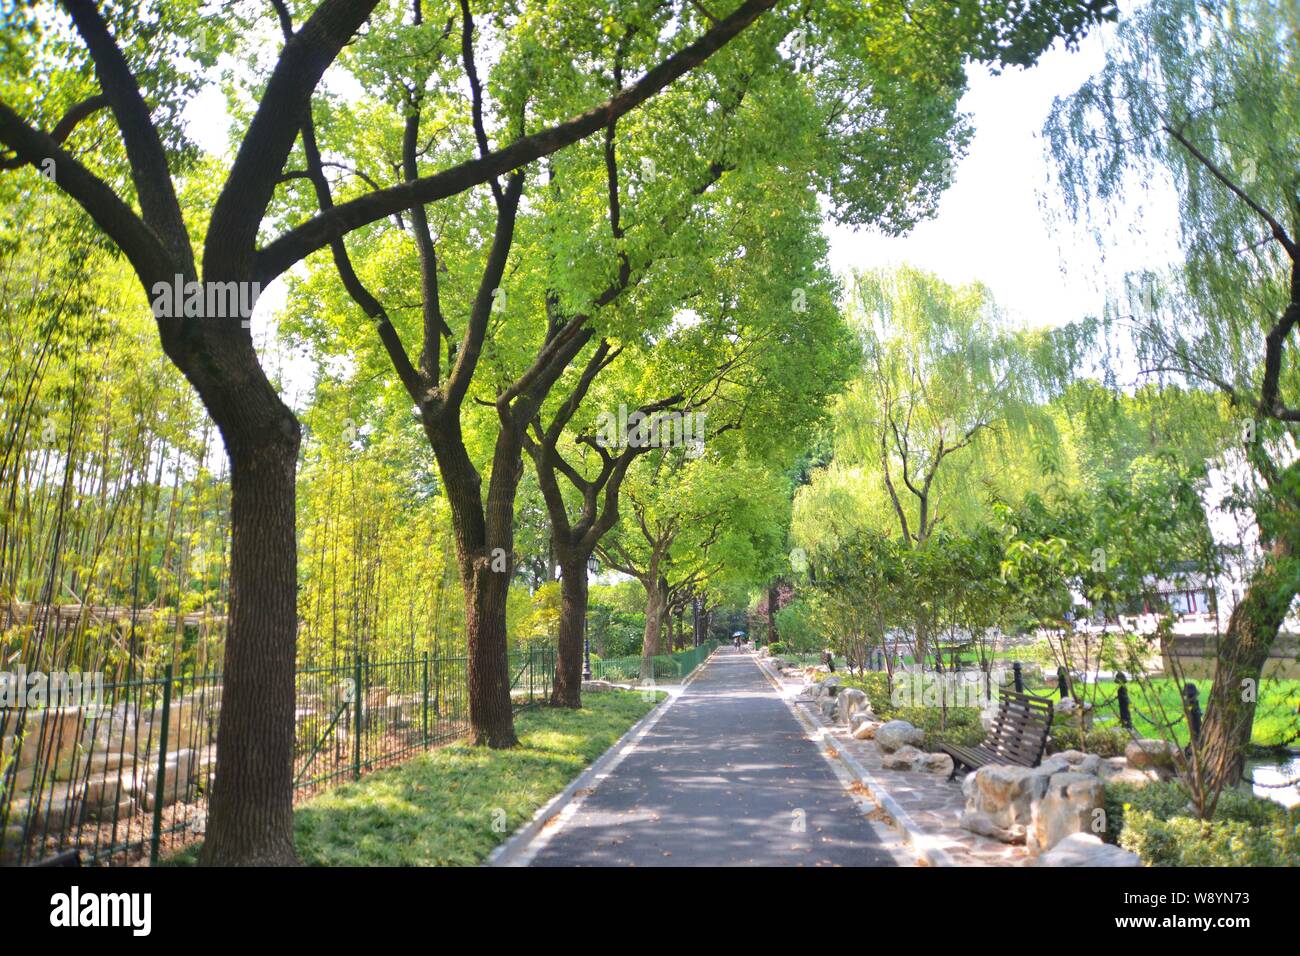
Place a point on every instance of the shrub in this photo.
(797, 625)
(1103, 741)
(962, 726)
(1187, 841)
(876, 686)
(776, 647)
(1155, 822)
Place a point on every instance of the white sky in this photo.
(990, 225)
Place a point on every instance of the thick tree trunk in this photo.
(251, 806)
(655, 606)
(1242, 652)
(573, 632)
(484, 555)
(490, 716)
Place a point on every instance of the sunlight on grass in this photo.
(451, 807)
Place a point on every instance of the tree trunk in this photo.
(773, 595)
(490, 715)
(251, 805)
(655, 606)
(573, 632)
(1241, 655)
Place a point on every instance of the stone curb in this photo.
(921, 842)
(514, 851)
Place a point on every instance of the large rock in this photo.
(1072, 804)
(827, 705)
(860, 717)
(910, 758)
(49, 738)
(1091, 763)
(1133, 777)
(1054, 764)
(1147, 754)
(898, 733)
(977, 822)
(865, 729)
(1086, 849)
(178, 774)
(1005, 793)
(851, 701)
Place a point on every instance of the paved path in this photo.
(725, 778)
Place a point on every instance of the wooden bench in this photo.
(1018, 735)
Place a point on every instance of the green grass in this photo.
(1277, 716)
(1277, 721)
(452, 806)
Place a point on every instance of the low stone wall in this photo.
(1197, 654)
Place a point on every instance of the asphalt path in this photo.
(726, 777)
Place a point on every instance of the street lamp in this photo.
(593, 568)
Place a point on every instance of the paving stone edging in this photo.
(513, 849)
(912, 832)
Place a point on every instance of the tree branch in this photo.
(231, 247)
(140, 244)
(144, 149)
(317, 232)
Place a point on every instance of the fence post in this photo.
(1063, 681)
(1121, 697)
(1019, 677)
(356, 720)
(161, 783)
(1193, 714)
(425, 707)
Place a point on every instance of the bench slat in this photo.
(1018, 734)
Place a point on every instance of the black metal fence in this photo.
(122, 775)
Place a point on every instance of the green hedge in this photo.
(1156, 822)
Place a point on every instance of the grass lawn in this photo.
(452, 806)
(1277, 715)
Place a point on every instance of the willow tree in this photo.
(945, 377)
(1206, 98)
(946, 387)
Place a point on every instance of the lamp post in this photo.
(593, 568)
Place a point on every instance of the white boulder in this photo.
(851, 701)
(1072, 804)
(1006, 793)
(894, 734)
(1087, 849)
(981, 823)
